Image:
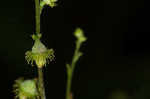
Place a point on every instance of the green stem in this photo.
(71, 69)
(40, 72)
(37, 16)
(75, 56)
(41, 84)
(68, 87)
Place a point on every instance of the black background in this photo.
(116, 54)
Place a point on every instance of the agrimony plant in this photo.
(40, 56)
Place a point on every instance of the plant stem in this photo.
(40, 72)
(41, 84)
(37, 16)
(68, 87)
(71, 69)
(75, 56)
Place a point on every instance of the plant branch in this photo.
(70, 70)
(41, 84)
(77, 54)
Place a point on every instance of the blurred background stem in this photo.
(71, 69)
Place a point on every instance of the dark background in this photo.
(116, 54)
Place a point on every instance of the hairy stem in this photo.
(41, 84)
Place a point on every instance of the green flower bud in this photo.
(80, 35)
(39, 54)
(51, 3)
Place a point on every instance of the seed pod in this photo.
(39, 54)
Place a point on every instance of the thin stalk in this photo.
(41, 84)
(37, 16)
(75, 56)
(71, 71)
(68, 87)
